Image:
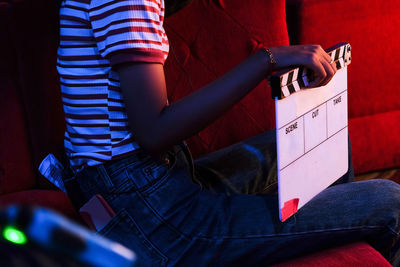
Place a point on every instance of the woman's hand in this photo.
(310, 56)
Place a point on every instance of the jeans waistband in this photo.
(72, 182)
(139, 156)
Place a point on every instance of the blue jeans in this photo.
(222, 209)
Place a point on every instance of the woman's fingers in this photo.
(330, 67)
(319, 72)
(311, 56)
(326, 62)
(329, 72)
(325, 55)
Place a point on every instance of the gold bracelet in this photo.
(271, 57)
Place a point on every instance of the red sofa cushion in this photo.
(350, 255)
(375, 141)
(371, 27)
(207, 54)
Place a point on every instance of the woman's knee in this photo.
(373, 202)
(383, 200)
(385, 191)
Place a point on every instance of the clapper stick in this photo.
(311, 131)
(287, 82)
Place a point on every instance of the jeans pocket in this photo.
(123, 229)
(149, 172)
(158, 175)
(159, 169)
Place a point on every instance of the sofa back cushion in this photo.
(371, 27)
(208, 38)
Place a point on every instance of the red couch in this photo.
(207, 39)
(371, 27)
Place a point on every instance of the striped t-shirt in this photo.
(96, 35)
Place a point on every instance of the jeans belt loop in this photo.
(188, 156)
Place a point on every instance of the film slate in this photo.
(311, 131)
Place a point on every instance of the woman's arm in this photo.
(157, 127)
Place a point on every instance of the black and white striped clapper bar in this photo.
(287, 82)
(311, 132)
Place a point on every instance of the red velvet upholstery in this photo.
(371, 27)
(350, 255)
(31, 120)
(375, 140)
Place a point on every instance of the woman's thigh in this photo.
(245, 229)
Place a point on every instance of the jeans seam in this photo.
(207, 238)
(214, 238)
(124, 187)
(156, 183)
(123, 166)
(159, 217)
(392, 230)
(146, 191)
(125, 216)
(105, 177)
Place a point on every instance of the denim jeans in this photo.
(222, 209)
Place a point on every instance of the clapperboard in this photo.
(311, 131)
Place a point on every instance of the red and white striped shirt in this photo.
(96, 35)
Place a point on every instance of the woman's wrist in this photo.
(272, 61)
(269, 59)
